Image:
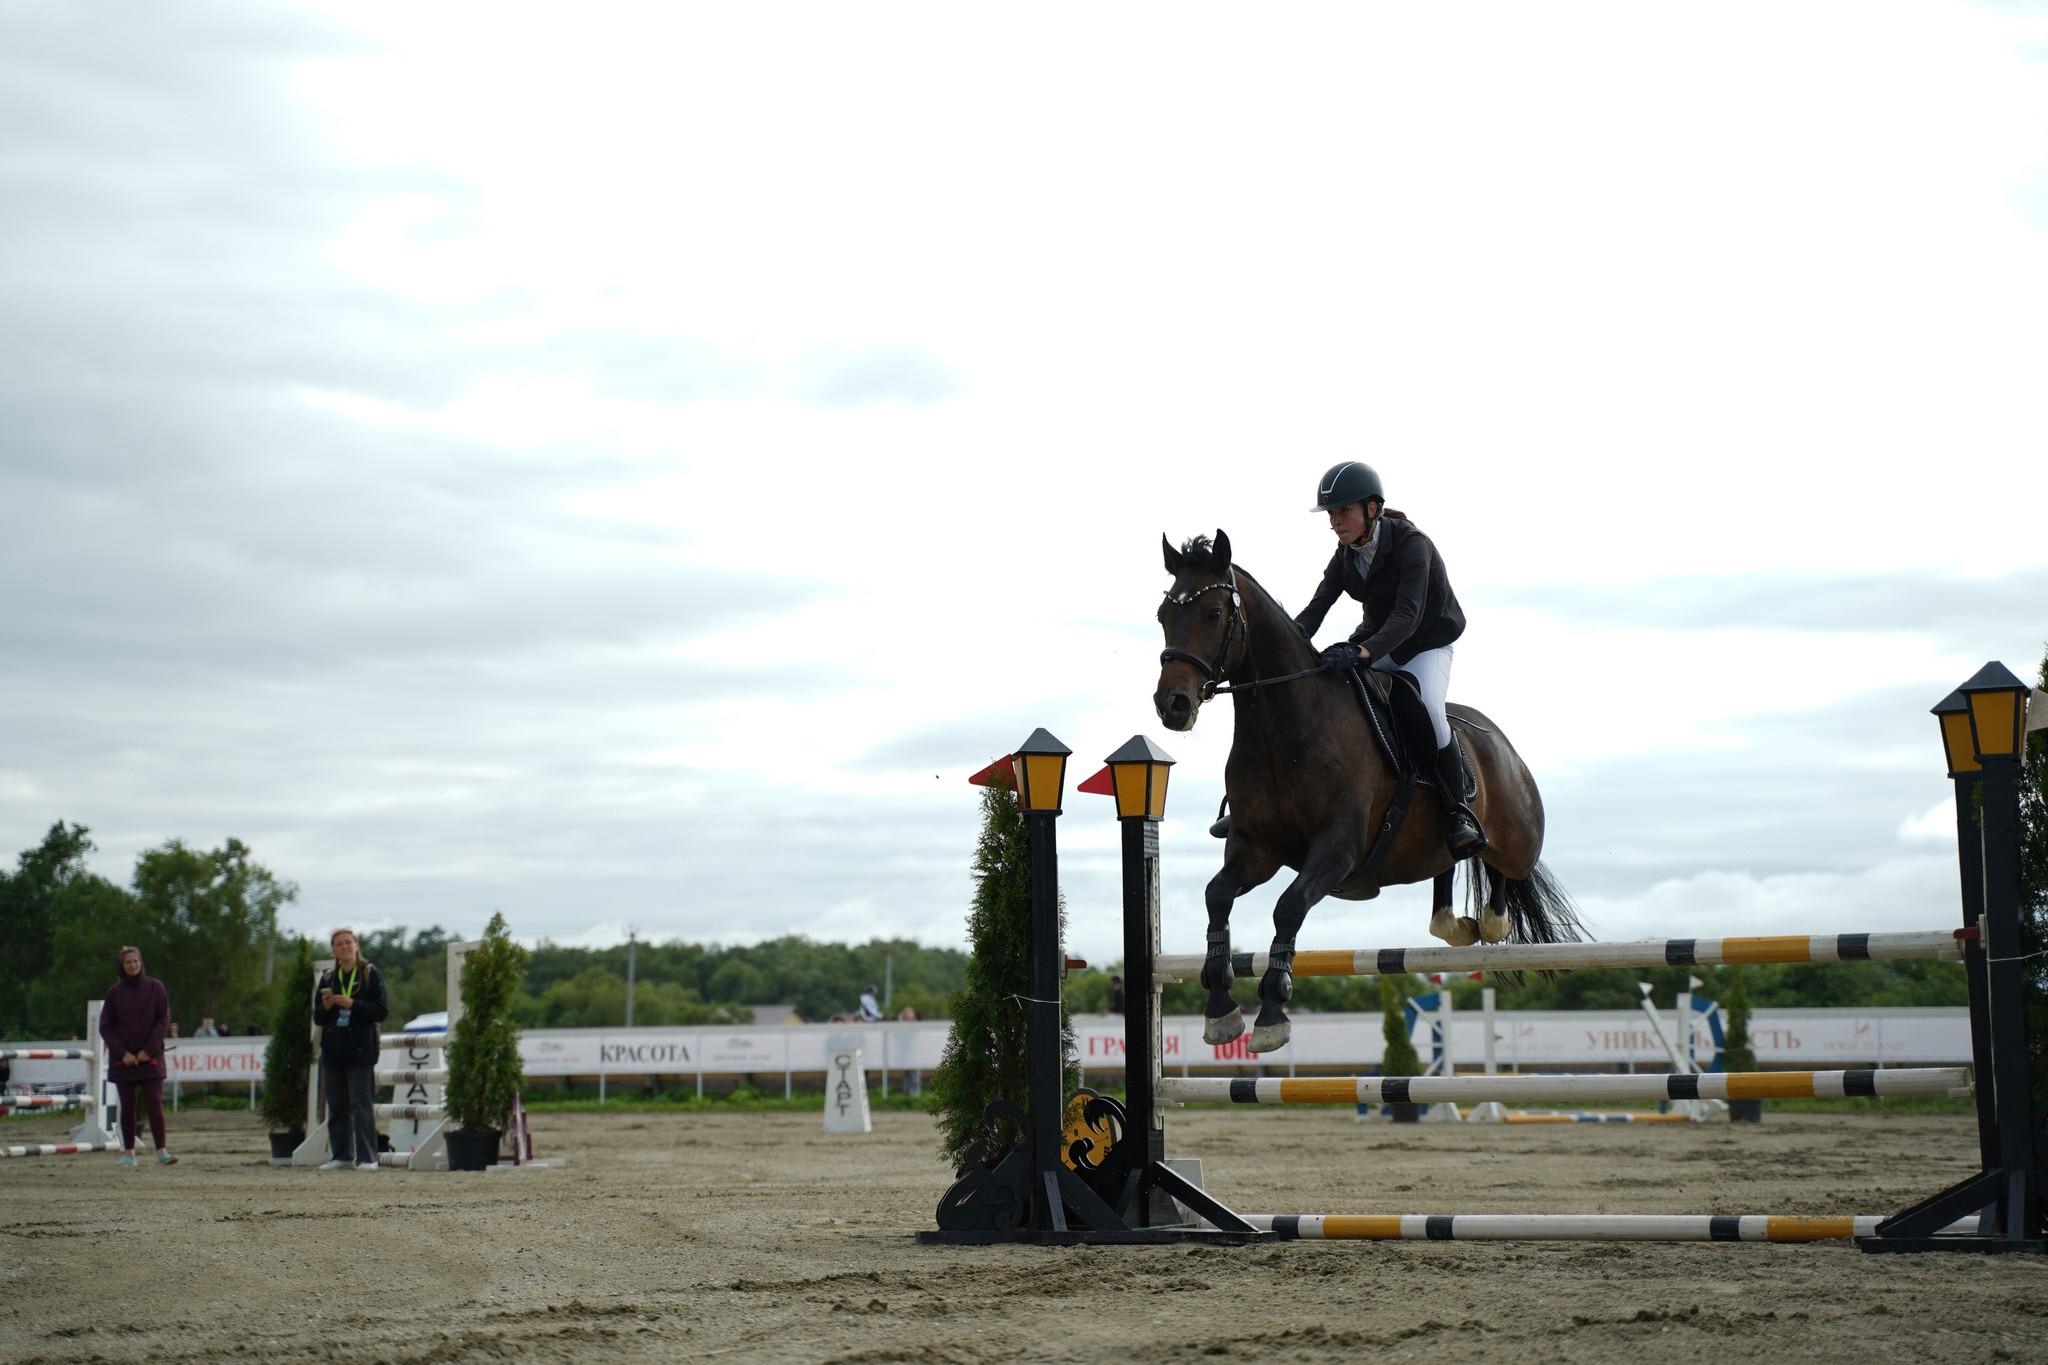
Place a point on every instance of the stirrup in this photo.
(1464, 838)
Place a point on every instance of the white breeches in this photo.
(1431, 670)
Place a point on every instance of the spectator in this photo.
(870, 1006)
(351, 1006)
(174, 1031)
(207, 1028)
(906, 1015)
(133, 1022)
(1116, 995)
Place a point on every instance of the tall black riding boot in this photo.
(1462, 834)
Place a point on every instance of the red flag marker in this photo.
(1102, 784)
(998, 773)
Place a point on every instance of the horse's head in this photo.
(1203, 618)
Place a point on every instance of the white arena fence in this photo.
(1603, 1040)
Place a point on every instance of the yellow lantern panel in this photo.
(1994, 717)
(1130, 779)
(1955, 739)
(1039, 778)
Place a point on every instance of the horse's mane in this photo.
(1200, 553)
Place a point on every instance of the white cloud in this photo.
(599, 441)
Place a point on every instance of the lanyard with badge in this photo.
(347, 982)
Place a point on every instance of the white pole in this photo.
(1486, 1006)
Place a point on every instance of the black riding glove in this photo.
(1337, 658)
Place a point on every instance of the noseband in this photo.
(1212, 673)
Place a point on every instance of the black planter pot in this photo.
(1405, 1113)
(472, 1149)
(1745, 1111)
(282, 1145)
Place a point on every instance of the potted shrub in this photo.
(1400, 1058)
(484, 1073)
(288, 1058)
(1740, 1056)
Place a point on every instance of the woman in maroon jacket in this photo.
(133, 1021)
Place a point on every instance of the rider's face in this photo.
(1348, 521)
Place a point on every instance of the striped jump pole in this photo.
(437, 1076)
(1944, 945)
(1540, 1117)
(1722, 1085)
(410, 1042)
(407, 1111)
(8, 1102)
(1567, 1227)
(45, 1054)
(59, 1148)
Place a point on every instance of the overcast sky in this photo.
(628, 465)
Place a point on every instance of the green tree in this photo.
(1736, 1052)
(1400, 1058)
(484, 1071)
(60, 926)
(213, 917)
(987, 1056)
(288, 1057)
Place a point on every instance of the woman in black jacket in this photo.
(1411, 616)
(351, 1006)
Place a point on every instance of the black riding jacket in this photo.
(1409, 605)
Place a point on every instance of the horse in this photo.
(1309, 789)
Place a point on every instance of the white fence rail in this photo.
(1524, 1040)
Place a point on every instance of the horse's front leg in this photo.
(1325, 869)
(1222, 1020)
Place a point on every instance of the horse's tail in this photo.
(1539, 911)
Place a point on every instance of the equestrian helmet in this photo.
(1348, 483)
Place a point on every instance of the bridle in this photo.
(1212, 674)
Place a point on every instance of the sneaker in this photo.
(367, 1166)
(127, 1159)
(166, 1159)
(335, 1165)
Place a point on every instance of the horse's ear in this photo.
(1173, 557)
(1222, 548)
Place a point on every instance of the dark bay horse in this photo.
(1309, 789)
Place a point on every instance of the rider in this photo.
(1411, 617)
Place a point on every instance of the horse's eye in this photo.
(1213, 615)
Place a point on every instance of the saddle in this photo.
(1400, 724)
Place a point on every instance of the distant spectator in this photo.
(174, 1031)
(870, 1006)
(351, 1006)
(133, 1022)
(207, 1028)
(1116, 995)
(906, 1015)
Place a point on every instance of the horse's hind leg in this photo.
(1444, 920)
(1272, 1030)
(1494, 923)
(1222, 1020)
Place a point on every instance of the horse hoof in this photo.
(1493, 930)
(1271, 1037)
(1461, 932)
(1225, 1029)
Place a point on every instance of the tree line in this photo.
(207, 923)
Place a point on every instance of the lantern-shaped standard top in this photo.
(1139, 769)
(1954, 714)
(1998, 711)
(1041, 767)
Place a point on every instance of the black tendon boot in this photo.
(1462, 834)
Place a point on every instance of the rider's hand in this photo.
(1340, 657)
